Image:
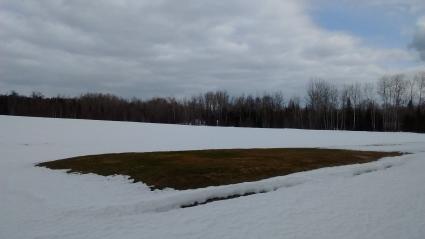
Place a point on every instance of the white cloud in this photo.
(146, 48)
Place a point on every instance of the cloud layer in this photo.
(419, 38)
(146, 48)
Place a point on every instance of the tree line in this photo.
(394, 103)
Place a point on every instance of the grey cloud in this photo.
(418, 42)
(166, 48)
(403, 6)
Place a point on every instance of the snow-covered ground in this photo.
(384, 199)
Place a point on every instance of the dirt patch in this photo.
(202, 168)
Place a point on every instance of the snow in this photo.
(383, 199)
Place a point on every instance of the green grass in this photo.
(202, 168)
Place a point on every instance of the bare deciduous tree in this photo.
(420, 82)
(326, 107)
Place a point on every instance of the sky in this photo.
(145, 48)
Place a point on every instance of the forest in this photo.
(395, 103)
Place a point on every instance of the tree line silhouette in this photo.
(395, 103)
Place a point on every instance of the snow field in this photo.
(383, 199)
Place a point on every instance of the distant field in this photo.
(197, 169)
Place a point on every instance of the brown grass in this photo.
(202, 168)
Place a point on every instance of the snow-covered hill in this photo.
(384, 199)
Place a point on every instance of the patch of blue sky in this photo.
(376, 26)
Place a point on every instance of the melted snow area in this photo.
(383, 199)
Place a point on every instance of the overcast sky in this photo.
(148, 48)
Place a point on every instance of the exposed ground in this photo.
(197, 169)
